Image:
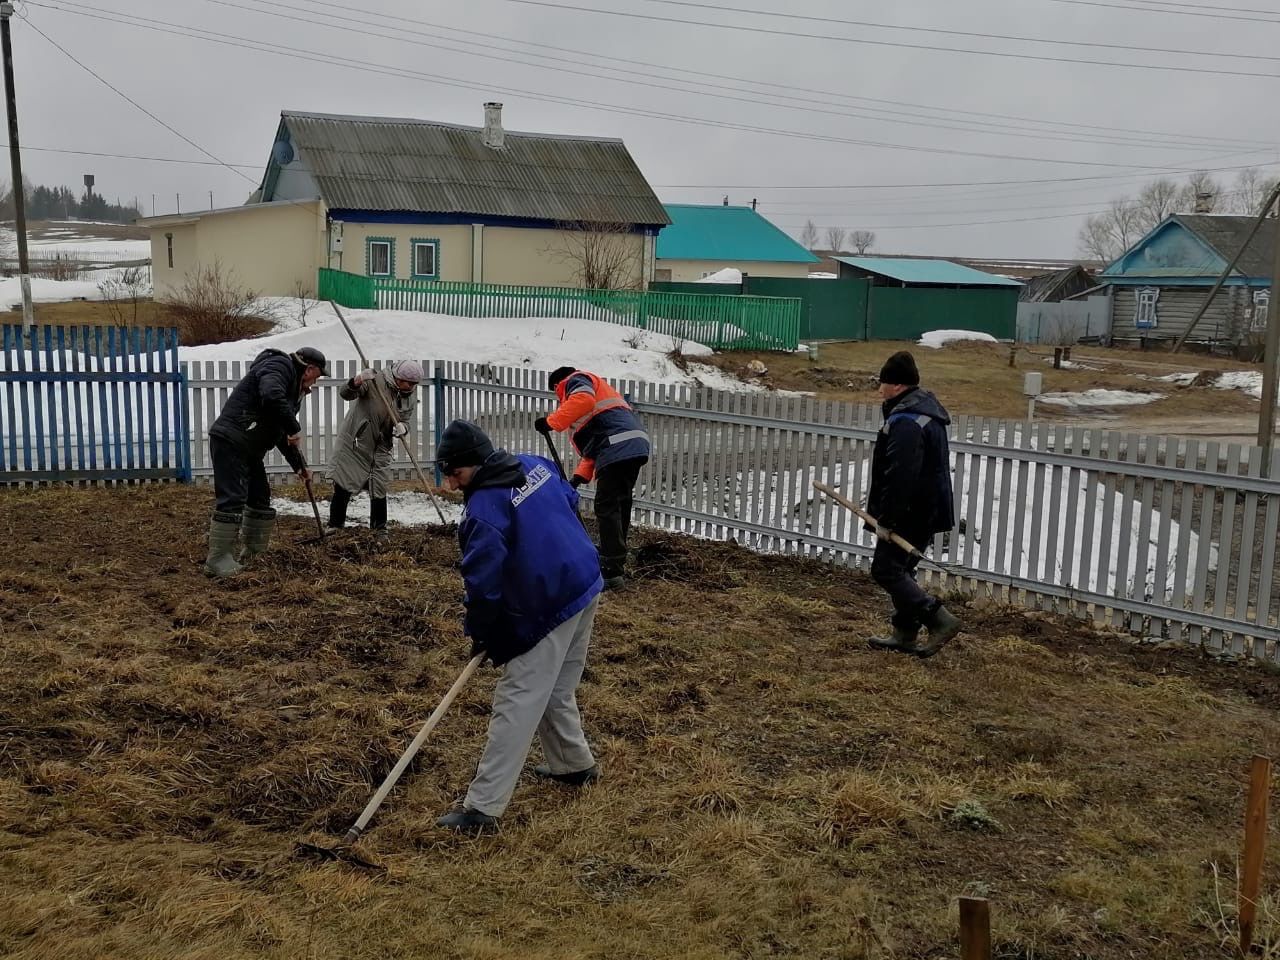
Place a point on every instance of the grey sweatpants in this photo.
(537, 694)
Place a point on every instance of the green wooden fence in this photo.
(723, 323)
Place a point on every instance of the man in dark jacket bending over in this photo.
(533, 584)
(910, 496)
(261, 414)
(612, 446)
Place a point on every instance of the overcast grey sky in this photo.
(687, 130)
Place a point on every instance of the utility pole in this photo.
(210, 199)
(15, 161)
(177, 199)
(1267, 415)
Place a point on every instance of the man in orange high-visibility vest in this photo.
(613, 446)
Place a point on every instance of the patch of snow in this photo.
(727, 275)
(1100, 398)
(293, 313)
(403, 507)
(47, 291)
(1249, 381)
(1072, 365)
(937, 339)
(1177, 379)
(822, 275)
(607, 349)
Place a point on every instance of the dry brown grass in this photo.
(976, 379)
(771, 787)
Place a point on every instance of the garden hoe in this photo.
(888, 534)
(435, 502)
(342, 851)
(315, 509)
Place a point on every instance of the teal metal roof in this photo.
(718, 232)
(927, 271)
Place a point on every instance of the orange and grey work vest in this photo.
(604, 428)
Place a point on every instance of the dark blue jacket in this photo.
(527, 563)
(262, 411)
(911, 471)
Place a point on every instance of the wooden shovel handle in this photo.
(872, 521)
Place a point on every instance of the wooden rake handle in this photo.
(875, 524)
(315, 509)
(395, 417)
(375, 801)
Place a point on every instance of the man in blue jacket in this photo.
(533, 584)
(911, 496)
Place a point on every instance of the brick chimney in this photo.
(493, 135)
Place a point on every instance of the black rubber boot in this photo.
(903, 640)
(579, 778)
(468, 821)
(338, 507)
(255, 532)
(378, 513)
(224, 532)
(943, 628)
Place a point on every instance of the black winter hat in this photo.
(559, 374)
(900, 369)
(463, 444)
(313, 357)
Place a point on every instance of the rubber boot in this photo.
(256, 532)
(902, 640)
(943, 628)
(224, 531)
(378, 515)
(338, 507)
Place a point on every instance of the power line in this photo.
(1128, 135)
(1129, 48)
(1171, 9)
(131, 156)
(404, 73)
(889, 43)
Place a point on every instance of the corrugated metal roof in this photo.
(1167, 253)
(927, 271)
(717, 232)
(1226, 233)
(388, 164)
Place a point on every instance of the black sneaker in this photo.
(467, 821)
(581, 778)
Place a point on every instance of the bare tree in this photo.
(862, 240)
(122, 293)
(809, 235)
(1157, 200)
(604, 256)
(1105, 236)
(1251, 189)
(835, 239)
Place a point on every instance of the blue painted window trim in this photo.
(368, 256)
(413, 258)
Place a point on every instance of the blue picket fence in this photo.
(92, 404)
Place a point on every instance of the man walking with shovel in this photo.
(261, 414)
(910, 495)
(533, 584)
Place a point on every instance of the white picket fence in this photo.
(1162, 537)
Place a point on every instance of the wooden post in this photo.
(1255, 845)
(975, 929)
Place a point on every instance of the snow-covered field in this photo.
(607, 349)
(407, 508)
(1248, 381)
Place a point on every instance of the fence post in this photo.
(975, 929)
(437, 380)
(1255, 844)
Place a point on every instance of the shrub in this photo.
(212, 307)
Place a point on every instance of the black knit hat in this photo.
(559, 374)
(900, 369)
(462, 444)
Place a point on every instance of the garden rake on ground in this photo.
(342, 850)
(404, 443)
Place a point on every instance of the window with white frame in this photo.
(380, 262)
(1261, 307)
(1145, 318)
(426, 259)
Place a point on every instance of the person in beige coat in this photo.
(363, 455)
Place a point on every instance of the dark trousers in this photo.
(614, 487)
(341, 499)
(239, 478)
(895, 571)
